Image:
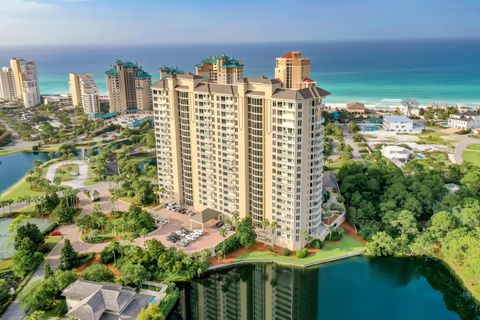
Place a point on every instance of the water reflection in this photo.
(359, 288)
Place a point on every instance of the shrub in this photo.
(302, 253)
(229, 245)
(98, 273)
(336, 234)
(317, 244)
(286, 252)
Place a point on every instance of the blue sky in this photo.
(186, 21)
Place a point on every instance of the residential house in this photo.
(464, 121)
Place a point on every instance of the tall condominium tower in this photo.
(26, 81)
(221, 69)
(129, 87)
(293, 71)
(84, 92)
(253, 147)
(7, 84)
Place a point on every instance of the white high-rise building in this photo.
(253, 147)
(26, 82)
(84, 92)
(7, 84)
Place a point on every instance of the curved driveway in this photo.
(77, 183)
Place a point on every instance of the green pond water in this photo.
(356, 288)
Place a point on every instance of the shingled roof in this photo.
(95, 299)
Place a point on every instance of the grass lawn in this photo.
(64, 172)
(331, 249)
(6, 264)
(472, 154)
(431, 137)
(20, 189)
(52, 241)
(474, 147)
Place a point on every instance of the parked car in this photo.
(219, 224)
(55, 233)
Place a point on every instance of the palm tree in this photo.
(223, 233)
(273, 226)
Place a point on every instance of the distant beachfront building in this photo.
(26, 82)
(129, 88)
(410, 108)
(220, 69)
(294, 71)
(84, 92)
(7, 84)
(58, 101)
(465, 121)
(356, 108)
(253, 147)
(400, 124)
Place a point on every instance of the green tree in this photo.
(37, 296)
(68, 256)
(63, 214)
(151, 312)
(381, 244)
(30, 231)
(245, 232)
(4, 291)
(37, 315)
(47, 270)
(26, 258)
(98, 273)
(133, 275)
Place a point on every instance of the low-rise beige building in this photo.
(253, 147)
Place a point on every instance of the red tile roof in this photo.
(288, 55)
(308, 80)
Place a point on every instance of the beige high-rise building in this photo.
(26, 81)
(7, 84)
(84, 92)
(254, 148)
(220, 69)
(294, 71)
(129, 88)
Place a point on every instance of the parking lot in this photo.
(177, 221)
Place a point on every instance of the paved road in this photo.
(77, 183)
(22, 205)
(348, 138)
(463, 142)
(71, 232)
(17, 142)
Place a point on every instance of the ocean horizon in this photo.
(366, 71)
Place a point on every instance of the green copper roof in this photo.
(228, 62)
(172, 70)
(112, 72)
(144, 75)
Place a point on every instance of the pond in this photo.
(14, 166)
(356, 288)
(6, 244)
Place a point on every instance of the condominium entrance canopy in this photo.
(204, 216)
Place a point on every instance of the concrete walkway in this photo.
(77, 183)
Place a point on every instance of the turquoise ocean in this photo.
(367, 71)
